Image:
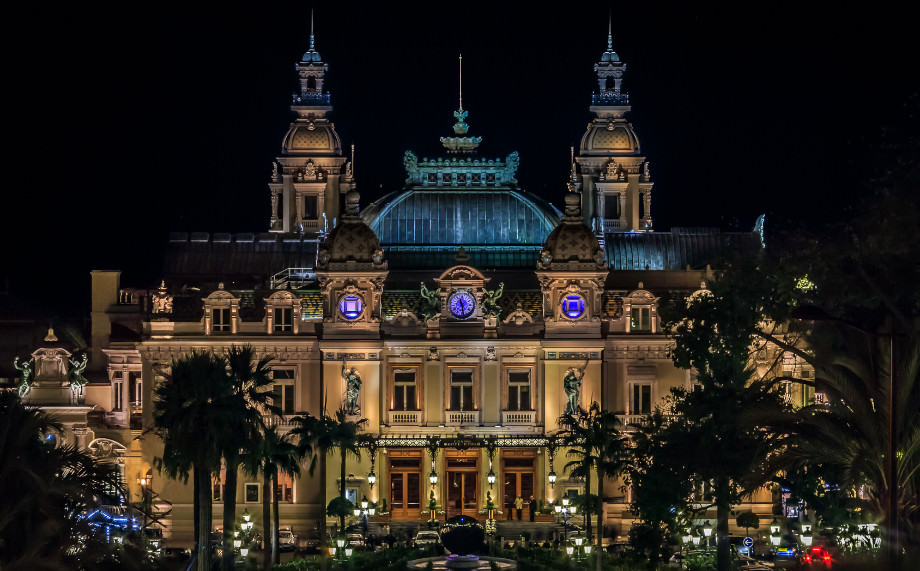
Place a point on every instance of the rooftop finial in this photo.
(572, 159)
(610, 31)
(311, 30)
(461, 82)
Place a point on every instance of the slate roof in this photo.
(675, 250)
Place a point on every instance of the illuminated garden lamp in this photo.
(707, 529)
(348, 551)
(364, 503)
(372, 478)
(569, 550)
(491, 477)
(340, 542)
(807, 539)
(687, 538)
(806, 527)
(774, 527)
(332, 551)
(371, 510)
(696, 540)
(558, 508)
(587, 550)
(579, 541)
(244, 552)
(237, 543)
(356, 511)
(433, 478)
(246, 515)
(774, 539)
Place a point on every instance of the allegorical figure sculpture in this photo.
(75, 375)
(490, 307)
(572, 385)
(431, 302)
(26, 369)
(352, 388)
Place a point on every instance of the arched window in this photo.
(311, 83)
(609, 84)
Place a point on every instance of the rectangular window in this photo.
(519, 390)
(283, 390)
(252, 493)
(309, 207)
(461, 178)
(138, 391)
(220, 319)
(217, 488)
(447, 178)
(612, 206)
(490, 178)
(461, 390)
(119, 392)
(640, 319)
(285, 489)
(404, 390)
(284, 319)
(641, 399)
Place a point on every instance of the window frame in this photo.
(395, 387)
(508, 383)
(288, 386)
(472, 384)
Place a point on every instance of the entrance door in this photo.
(518, 478)
(463, 484)
(405, 488)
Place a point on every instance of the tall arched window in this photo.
(311, 82)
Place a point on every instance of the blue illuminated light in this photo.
(351, 306)
(573, 306)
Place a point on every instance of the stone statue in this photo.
(490, 307)
(160, 301)
(410, 163)
(349, 170)
(310, 171)
(378, 256)
(352, 388)
(431, 306)
(275, 177)
(75, 375)
(572, 385)
(26, 369)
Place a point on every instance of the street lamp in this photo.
(491, 477)
(566, 510)
(806, 532)
(707, 531)
(774, 533)
(372, 478)
(433, 477)
(552, 478)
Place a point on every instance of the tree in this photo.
(724, 419)
(316, 436)
(747, 520)
(47, 485)
(595, 444)
(276, 453)
(248, 381)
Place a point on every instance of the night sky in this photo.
(129, 124)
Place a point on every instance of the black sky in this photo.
(131, 121)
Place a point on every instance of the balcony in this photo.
(633, 419)
(404, 417)
(462, 417)
(282, 423)
(518, 417)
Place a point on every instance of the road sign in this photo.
(748, 542)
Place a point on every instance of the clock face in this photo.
(461, 305)
(573, 306)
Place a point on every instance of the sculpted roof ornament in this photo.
(351, 241)
(571, 245)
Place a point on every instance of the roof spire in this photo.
(610, 31)
(461, 82)
(312, 43)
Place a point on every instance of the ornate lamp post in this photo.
(490, 446)
(707, 532)
(807, 538)
(565, 510)
(372, 477)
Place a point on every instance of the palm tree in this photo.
(596, 444)
(276, 453)
(248, 381)
(319, 435)
(185, 410)
(46, 487)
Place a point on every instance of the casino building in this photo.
(460, 303)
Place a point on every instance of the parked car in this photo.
(287, 541)
(817, 556)
(309, 542)
(354, 540)
(426, 538)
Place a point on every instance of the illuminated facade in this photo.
(461, 303)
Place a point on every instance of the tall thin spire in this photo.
(461, 82)
(610, 31)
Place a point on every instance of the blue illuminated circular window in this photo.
(351, 306)
(573, 305)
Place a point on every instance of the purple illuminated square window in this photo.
(351, 306)
(573, 306)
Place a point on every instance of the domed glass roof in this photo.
(461, 217)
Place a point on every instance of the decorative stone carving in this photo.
(490, 354)
(310, 171)
(161, 302)
(75, 376)
(431, 306)
(518, 316)
(433, 354)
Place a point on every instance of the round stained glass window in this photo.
(351, 306)
(573, 306)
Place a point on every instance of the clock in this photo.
(573, 306)
(461, 304)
